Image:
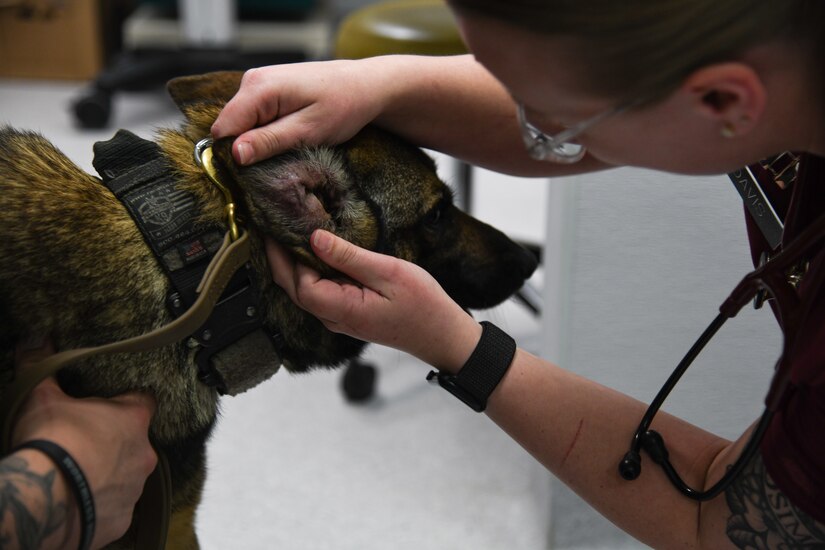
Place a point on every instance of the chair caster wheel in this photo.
(93, 110)
(358, 382)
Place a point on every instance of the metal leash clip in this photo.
(203, 158)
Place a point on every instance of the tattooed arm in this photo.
(36, 509)
(762, 517)
(108, 438)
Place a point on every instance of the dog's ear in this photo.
(217, 87)
(289, 196)
(201, 97)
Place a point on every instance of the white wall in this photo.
(636, 265)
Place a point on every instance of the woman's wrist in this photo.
(481, 374)
(454, 344)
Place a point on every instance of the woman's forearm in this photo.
(453, 105)
(580, 430)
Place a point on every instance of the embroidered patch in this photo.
(164, 211)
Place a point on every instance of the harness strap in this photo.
(229, 258)
(142, 178)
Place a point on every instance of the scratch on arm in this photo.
(572, 442)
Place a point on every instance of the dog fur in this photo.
(74, 265)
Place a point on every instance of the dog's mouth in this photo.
(471, 297)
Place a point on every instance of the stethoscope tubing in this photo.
(653, 443)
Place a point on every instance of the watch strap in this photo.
(484, 369)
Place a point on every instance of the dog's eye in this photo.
(433, 217)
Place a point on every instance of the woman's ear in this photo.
(729, 94)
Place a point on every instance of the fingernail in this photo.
(321, 240)
(244, 153)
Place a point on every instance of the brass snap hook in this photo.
(203, 158)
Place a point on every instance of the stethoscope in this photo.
(654, 444)
(778, 276)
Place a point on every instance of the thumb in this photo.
(277, 137)
(369, 268)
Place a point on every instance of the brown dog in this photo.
(76, 266)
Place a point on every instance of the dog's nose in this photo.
(526, 262)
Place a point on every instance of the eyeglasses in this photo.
(558, 148)
(778, 278)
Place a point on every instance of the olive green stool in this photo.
(423, 27)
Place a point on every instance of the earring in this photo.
(728, 130)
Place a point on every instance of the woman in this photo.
(688, 86)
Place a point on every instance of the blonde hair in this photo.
(632, 49)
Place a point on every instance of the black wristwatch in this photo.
(483, 370)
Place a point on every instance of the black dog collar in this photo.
(483, 370)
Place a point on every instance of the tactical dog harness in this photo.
(213, 298)
(234, 351)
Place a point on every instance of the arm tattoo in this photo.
(762, 517)
(28, 512)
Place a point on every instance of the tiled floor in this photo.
(293, 466)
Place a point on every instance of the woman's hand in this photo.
(108, 438)
(281, 107)
(387, 301)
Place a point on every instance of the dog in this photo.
(75, 265)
